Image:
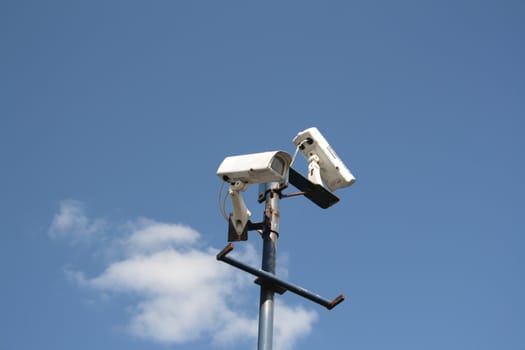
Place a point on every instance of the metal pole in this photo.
(269, 236)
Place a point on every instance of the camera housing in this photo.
(254, 168)
(324, 164)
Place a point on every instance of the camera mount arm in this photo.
(240, 216)
(314, 170)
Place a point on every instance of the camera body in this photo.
(255, 168)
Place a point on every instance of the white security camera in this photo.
(323, 163)
(243, 170)
(256, 167)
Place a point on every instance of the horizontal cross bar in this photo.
(271, 279)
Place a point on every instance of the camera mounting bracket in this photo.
(314, 192)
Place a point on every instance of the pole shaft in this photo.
(270, 235)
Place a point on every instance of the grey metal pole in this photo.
(269, 236)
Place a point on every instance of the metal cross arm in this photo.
(271, 281)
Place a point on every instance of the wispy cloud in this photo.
(182, 293)
(72, 223)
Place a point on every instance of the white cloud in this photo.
(181, 292)
(71, 222)
(292, 324)
(149, 235)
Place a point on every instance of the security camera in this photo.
(323, 163)
(255, 168)
(243, 170)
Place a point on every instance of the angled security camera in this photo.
(324, 166)
(256, 167)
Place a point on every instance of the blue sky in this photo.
(116, 114)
